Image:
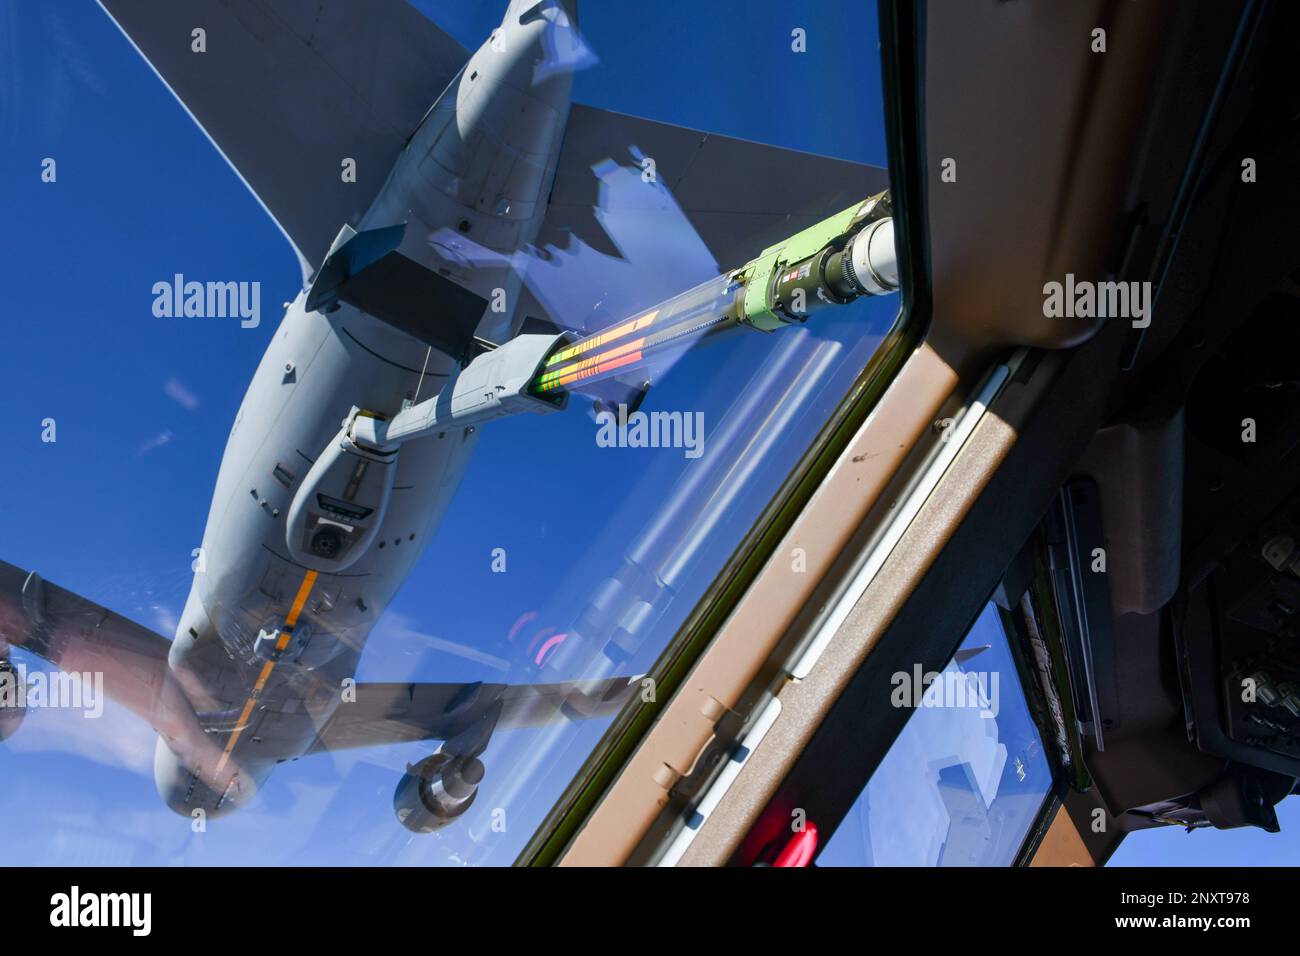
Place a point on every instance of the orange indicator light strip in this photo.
(595, 341)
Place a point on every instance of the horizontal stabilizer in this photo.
(617, 241)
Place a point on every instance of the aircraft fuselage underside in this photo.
(266, 641)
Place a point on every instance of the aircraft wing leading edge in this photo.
(287, 90)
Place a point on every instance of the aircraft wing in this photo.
(400, 713)
(643, 210)
(80, 637)
(287, 89)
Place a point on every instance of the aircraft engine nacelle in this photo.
(437, 790)
(12, 710)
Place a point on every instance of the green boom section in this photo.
(757, 275)
(741, 297)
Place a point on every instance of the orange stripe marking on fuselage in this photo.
(308, 582)
(299, 601)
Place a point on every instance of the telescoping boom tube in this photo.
(839, 259)
(829, 264)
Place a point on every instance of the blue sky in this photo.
(143, 407)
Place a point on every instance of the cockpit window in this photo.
(709, 271)
(964, 782)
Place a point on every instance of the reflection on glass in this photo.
(963, 782)
(532, 554)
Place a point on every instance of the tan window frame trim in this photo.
(1027, 413)
(611, 757)
(755, 628)
(805, 702)
(943, 448)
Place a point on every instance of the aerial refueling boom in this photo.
(832, 263)
(829, 264)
